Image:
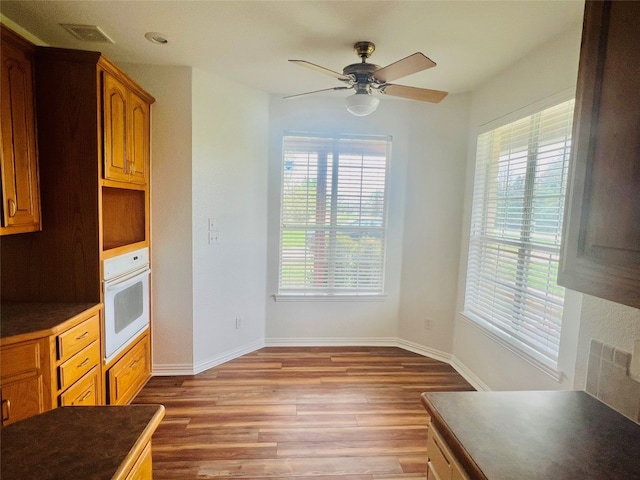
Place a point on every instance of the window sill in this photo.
(382, 297)
(503, 340)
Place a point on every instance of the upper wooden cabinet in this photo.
(19, 158)
(601, 241)
(126, 133)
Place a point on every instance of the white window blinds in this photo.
(333, 215)
(516, 225)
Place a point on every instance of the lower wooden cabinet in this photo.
(142, 469)
(25, 383)
(442, 465)
(58, 366)
(129, 373)
(79, 361)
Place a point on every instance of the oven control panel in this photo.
(125, 263)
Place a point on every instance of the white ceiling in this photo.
(250, 41)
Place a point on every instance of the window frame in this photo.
(330, 292)
(488, 328)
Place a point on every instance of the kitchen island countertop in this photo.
(77, 443)
(566, 435)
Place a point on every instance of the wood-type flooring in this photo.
(324, 413)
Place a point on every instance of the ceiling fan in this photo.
(365, 78)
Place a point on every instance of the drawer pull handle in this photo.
(6, 409)
(85, 396)
(84, 362)
(84, 335)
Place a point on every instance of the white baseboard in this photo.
(468, 375)
(332, 342)
(189, 369)
(171, 369)
(424, 351)
(160, 370)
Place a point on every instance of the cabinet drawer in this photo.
(20, 360)
(439, 462)
(78, 337)
(78, 365)
(84, 392)
(129, 373)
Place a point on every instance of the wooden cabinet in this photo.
(58, 365)
(19, 158)
(78, 362)
(129, 373)
(601, 240)
(91, 213)
(142, 469)
(126, 133)
(25, 384)
(441, 464)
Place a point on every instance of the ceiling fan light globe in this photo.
(361, 104)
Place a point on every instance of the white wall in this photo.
(230, 124)
(434, 192)
(209, 144)
(545, 72)
(421, 135)
(171, 205)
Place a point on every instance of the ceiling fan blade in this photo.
(317, 91)
(414, 93)
(326, 71)
(411, 64)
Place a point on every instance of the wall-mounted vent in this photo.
(87, 33)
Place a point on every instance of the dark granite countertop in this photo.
(536, 435)
(25, 318)
(77, 443)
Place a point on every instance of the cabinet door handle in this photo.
(133, 364)
(84, 335)
(85, 396)
(6, 409)
(84, 362)
(11, 203)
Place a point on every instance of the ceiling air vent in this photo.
(87, 33)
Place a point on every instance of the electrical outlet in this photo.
(427, 324)
(238, 323)
(214, 237)
(213, 223)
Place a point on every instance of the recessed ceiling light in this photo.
(155, 37)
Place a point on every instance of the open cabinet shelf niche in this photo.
(123, 217)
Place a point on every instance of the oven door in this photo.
(126, 310)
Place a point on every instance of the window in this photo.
(516, 226)
(333, 215)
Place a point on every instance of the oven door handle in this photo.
(126, 280)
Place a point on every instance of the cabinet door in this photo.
(115, 129)
(20, 195)
(601, 241)
(24, 373)
(139, 143)
(128, 375)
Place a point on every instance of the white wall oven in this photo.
(126, 300)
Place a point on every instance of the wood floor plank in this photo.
(324, 413)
